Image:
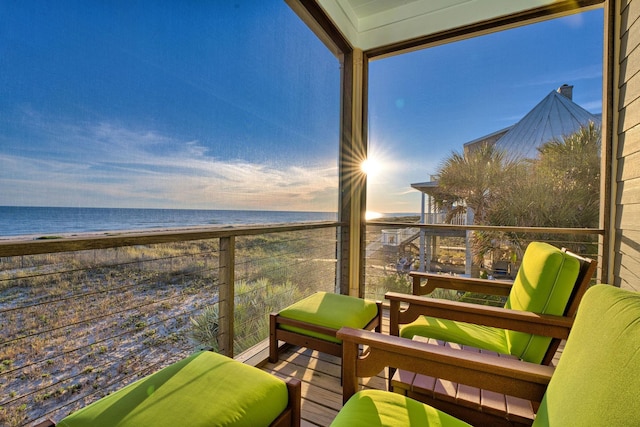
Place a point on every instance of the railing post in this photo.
(226, 292)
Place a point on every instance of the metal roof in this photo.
(555, 116)
(425, 186)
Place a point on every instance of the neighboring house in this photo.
(555, 116)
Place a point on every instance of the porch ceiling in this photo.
(371, 24)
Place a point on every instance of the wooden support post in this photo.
(226, 291)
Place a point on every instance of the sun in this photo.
(371, 166)
(369, 215)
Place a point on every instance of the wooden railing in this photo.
(83, 316)
(450, 249)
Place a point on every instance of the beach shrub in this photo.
(204, 328)
(252, 304)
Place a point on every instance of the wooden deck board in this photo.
(320, 376)
(321, 388)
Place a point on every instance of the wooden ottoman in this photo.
(314, 321)
(205, 389)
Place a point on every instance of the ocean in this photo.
(48, 221)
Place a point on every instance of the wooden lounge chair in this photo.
(205, 389)
(595, 383)
(531, 331)
(314, 321)
(550, 282)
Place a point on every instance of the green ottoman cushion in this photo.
(206, 389)
(371, 408)
(332, 311)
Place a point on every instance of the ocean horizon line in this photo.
(159, 208)
(43, 221)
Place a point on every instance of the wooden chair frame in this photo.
(290, 417)
(511, 377)
(276, 333)
(405, 308)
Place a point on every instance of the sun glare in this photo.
(369, 215)
(370, 166)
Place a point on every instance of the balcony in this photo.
(85, 316)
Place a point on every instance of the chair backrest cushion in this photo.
(597, 380)
(543, 285)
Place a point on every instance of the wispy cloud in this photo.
(107, 164)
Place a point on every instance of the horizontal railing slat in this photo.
(118, 239)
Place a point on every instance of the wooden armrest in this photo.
(503, 375)
(497, 317)
(467, 284)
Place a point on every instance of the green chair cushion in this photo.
(544, 283)
(332, 311)
(478, 336)
(205, 389)
(597, 379)
(371, 408)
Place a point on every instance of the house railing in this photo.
(83, 316)
(443, 218)
(472, 250)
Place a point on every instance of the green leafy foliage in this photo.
(252, 304)
(559, 188)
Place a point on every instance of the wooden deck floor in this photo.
(320, 376)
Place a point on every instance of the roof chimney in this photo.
(566, 90)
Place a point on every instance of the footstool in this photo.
(205, 389)
(314, 321)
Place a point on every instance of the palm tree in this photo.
(475, 179)
(561, 188)
(570, 169)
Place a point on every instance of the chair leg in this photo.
(392, 372)
(273, 340)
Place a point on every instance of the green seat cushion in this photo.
(206, 389)
(332, 311)
(479, 336)
(371, 408)
(544, 283)
(597, 379)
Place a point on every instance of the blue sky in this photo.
(235, 105)
(425, 104)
